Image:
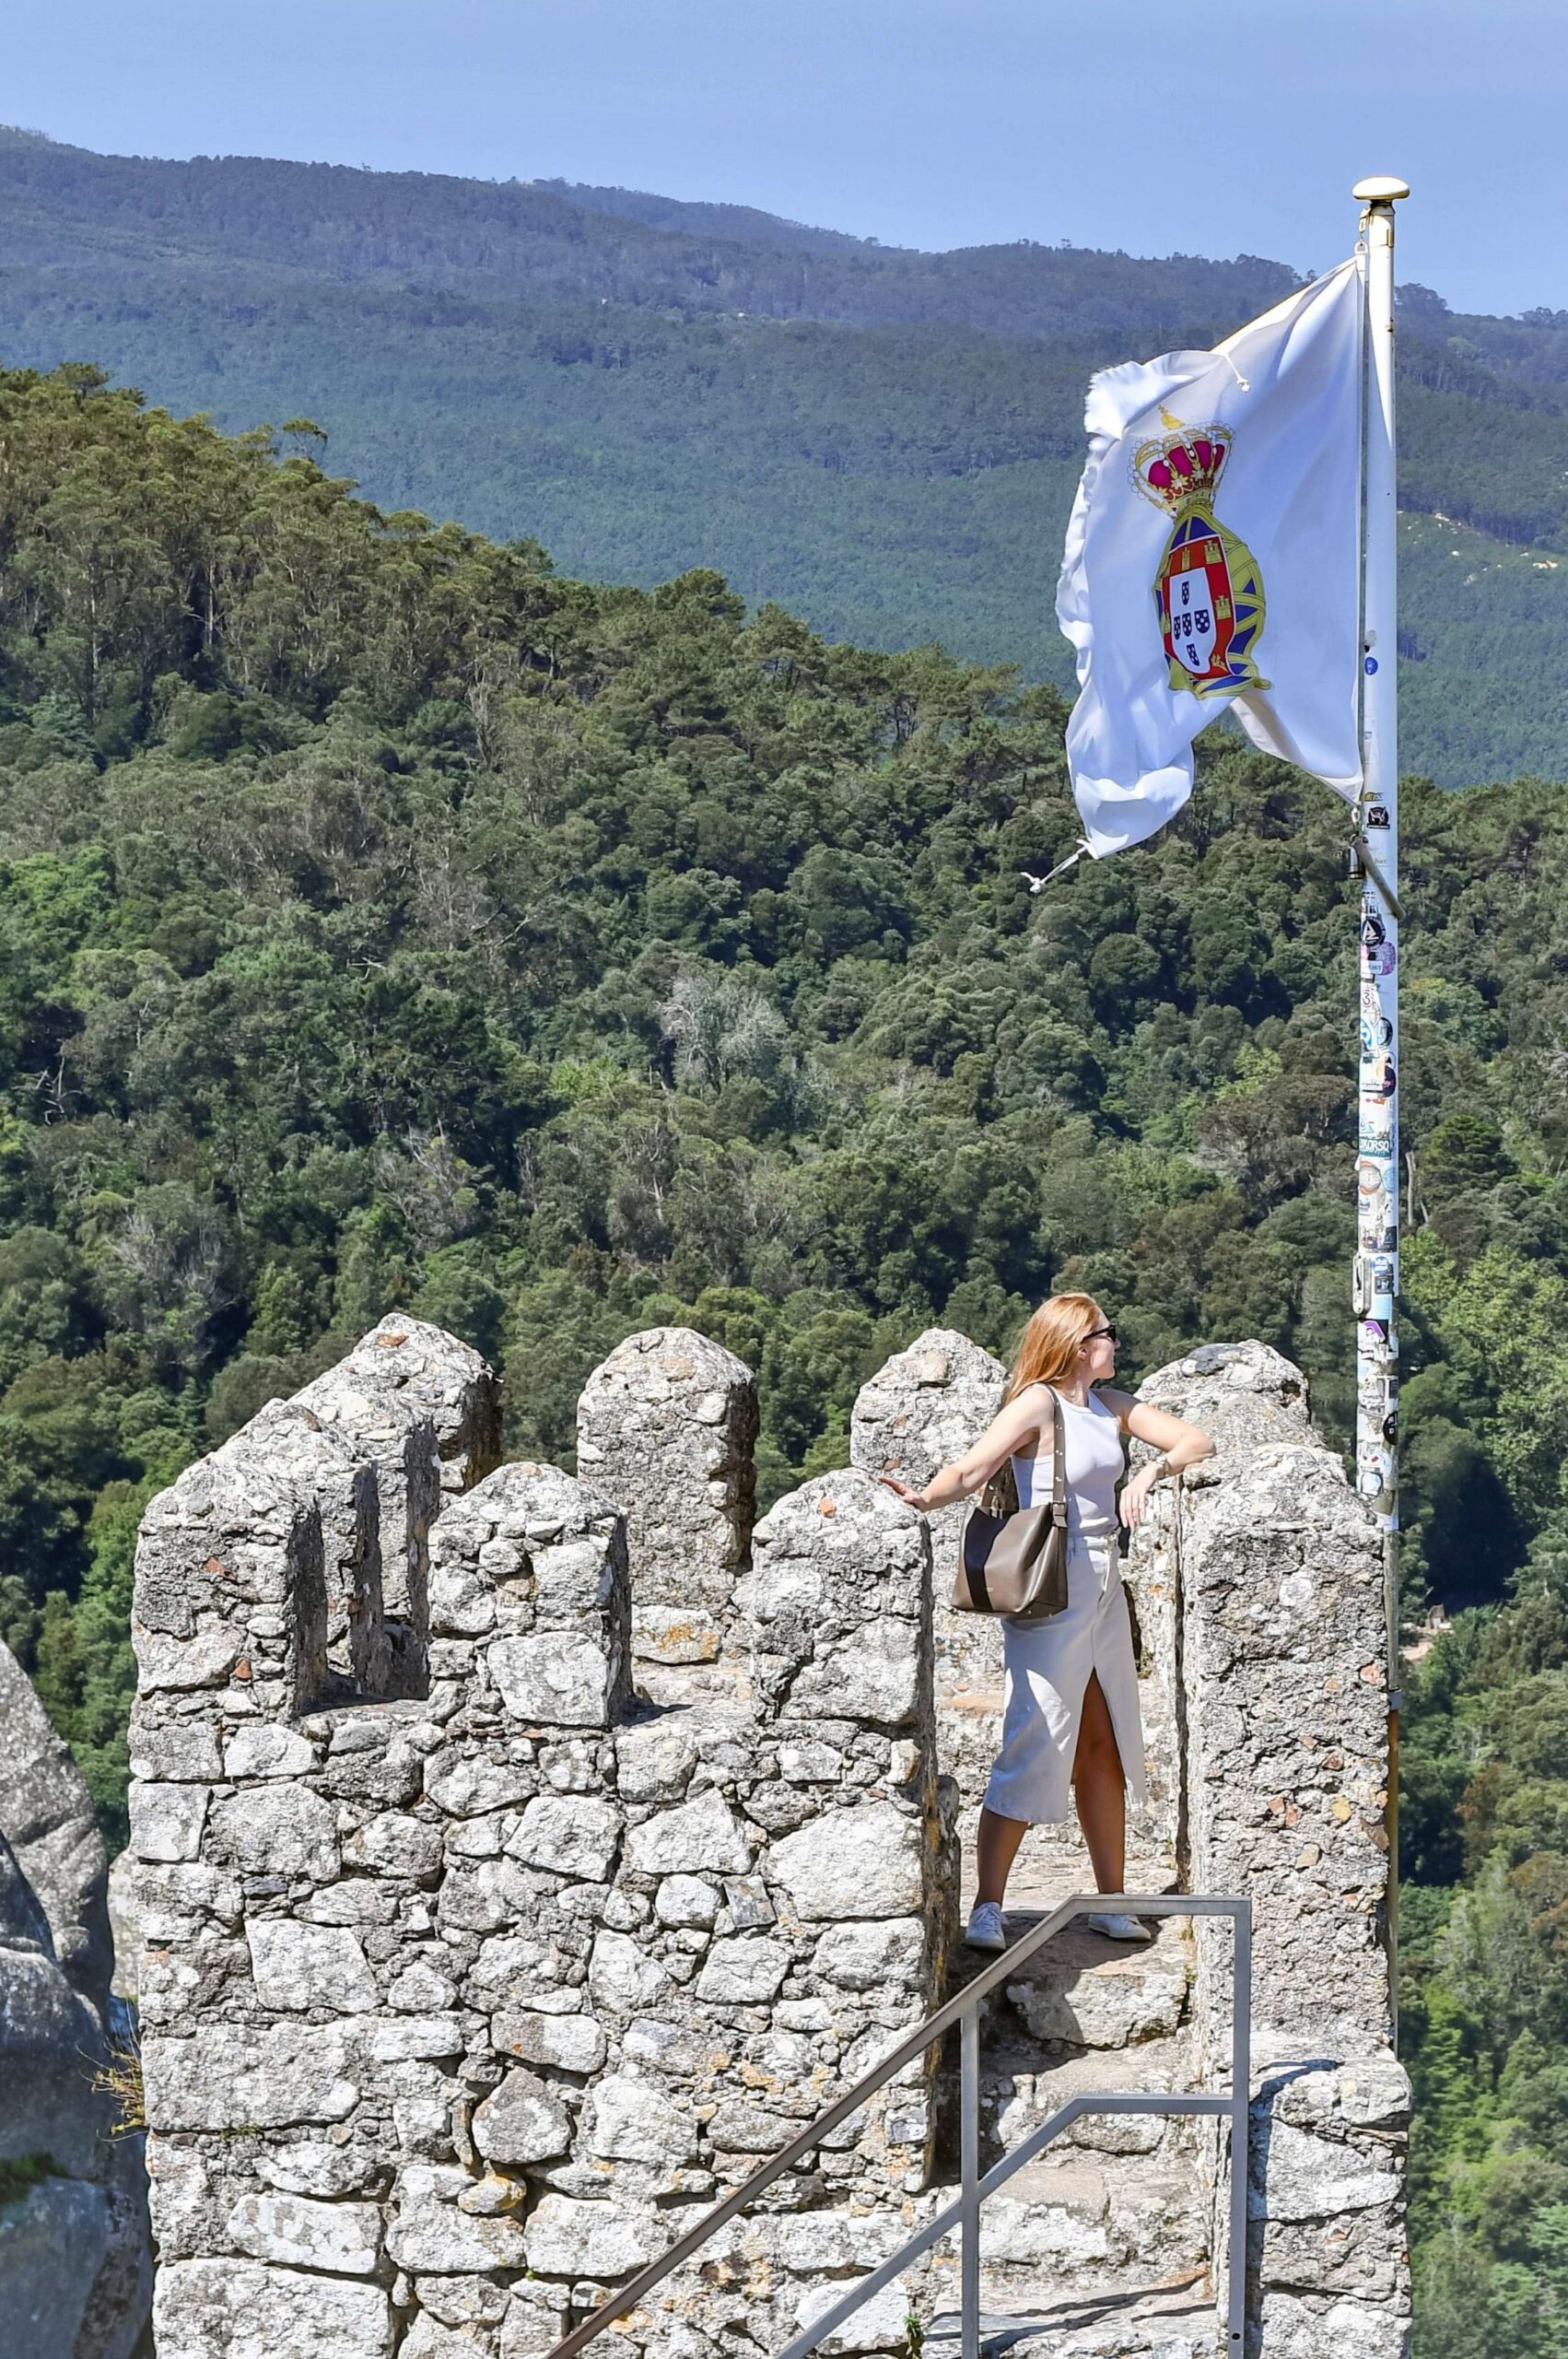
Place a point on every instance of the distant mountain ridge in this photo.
(886, 440)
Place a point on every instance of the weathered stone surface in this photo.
(265, 2080)
(921, 1410)
(1317, 2179)
(666, 1427)
(315, 2167)
(880, 2324)
(746, 1971)
(53, 2245)
(622, 1977)
(245, 2309)
(575, 1834)
(654, 1761)
(1109, 2005)
(571, 2043)
(857, 1862)
(555, 1676)
(703, 1833)
(1284, 1652)
(568, 2238)
(633, 2120)
(264, 1750)
(872, 1956)
(521, 2121)
(278, 1830)
(47, 1817)
(687, 1900)
(74, 2265)
(427, 2229)
(574, 1963)
(344, 2239)
(297, 1966)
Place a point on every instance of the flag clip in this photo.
(1038, 883)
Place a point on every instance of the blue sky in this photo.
(1159, 128)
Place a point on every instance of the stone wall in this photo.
(456, 2006)
(501, 1911)
(1279, 1569)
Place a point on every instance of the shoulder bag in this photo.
(1013, 1559)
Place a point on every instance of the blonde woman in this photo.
(1071, 1718)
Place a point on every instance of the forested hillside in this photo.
(886, 441)
(387, 920)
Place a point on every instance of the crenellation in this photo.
(667, 1426)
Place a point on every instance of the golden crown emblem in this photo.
(1181, 469)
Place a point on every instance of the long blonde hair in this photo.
(1048, 1345)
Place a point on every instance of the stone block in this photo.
(864, 1862)
(634, 2120)
(521, 2121)
(575, 1834)
(666, 1427)
(566, 2043)
(167, 1821)
(266, 2080)
(278, 1830)
(555, 1677)
(427, 2231)
(297, 1967)
(746, 1971)
(344, 2239)
(701, 1834)
(246, 2309)
(568, 2237)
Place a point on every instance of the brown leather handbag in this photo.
(1013, 1559)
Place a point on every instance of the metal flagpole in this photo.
(1375, 860)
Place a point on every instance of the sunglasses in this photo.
(1109, 1332)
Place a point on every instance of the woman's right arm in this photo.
(1007, 1432)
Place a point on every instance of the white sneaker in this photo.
(987, 1929)
(1118, 1927)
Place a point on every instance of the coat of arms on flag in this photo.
(1208, 591)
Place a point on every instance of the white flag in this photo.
(1213, 558)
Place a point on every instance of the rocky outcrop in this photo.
(74, 2262)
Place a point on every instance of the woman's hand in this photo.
(911, 1498)
(1135, 1493)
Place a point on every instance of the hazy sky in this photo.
(1160, 128)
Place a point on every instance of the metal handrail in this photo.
(965, 2211)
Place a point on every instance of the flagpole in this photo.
(1377, 861)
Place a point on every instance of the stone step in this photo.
(1021, 2087)
(1081, 2226)
(1167, 2322)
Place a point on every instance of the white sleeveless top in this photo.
(1095, 1459)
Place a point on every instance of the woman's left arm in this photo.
(1178, 1443)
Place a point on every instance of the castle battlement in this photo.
(522, 1858)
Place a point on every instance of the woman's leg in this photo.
(1099, 1791)
(995, 1847)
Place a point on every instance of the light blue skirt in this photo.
(1048, 1666)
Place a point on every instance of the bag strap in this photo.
(1059, 1459)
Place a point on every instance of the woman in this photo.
(1072, 1715)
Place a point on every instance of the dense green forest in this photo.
(385, 919)
(885, 441)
